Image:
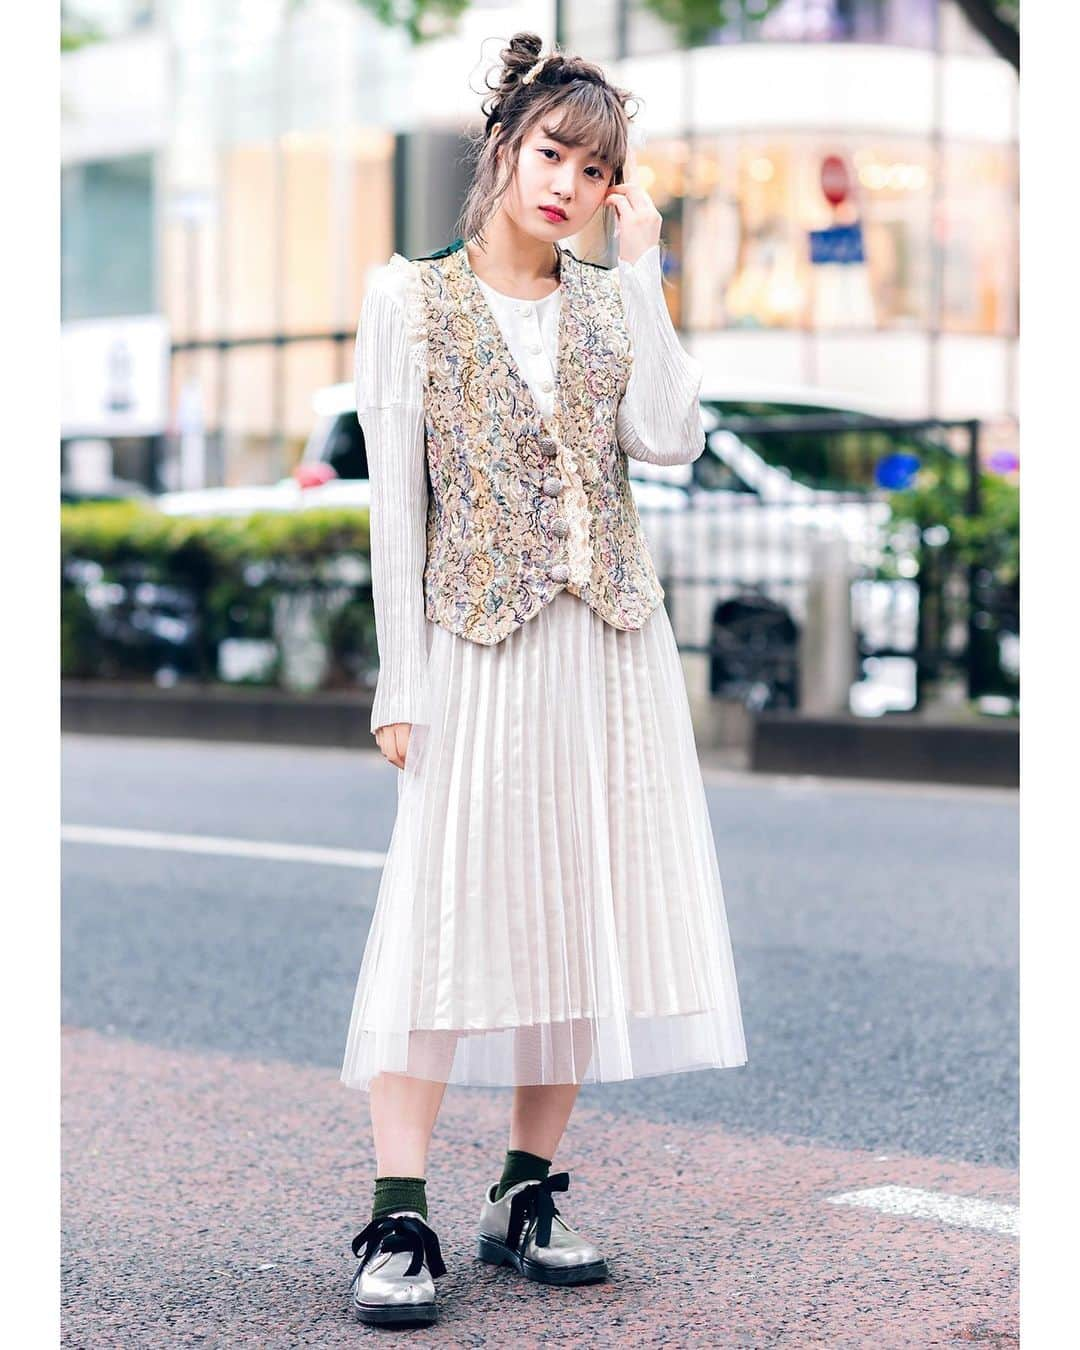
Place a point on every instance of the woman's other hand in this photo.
(393, 741)
(639, 220)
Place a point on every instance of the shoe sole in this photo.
(497, 1253)
(389, 1314)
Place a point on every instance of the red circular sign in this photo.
(835, 182)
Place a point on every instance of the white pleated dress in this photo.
(550, 909)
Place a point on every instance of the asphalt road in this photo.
(875, 938)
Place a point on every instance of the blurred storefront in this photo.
(234, 168)
(916, 115)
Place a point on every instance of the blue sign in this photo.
(837, 244)
(897, 471)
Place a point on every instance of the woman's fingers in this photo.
(401, 743)
(393, 741)
(632, 193)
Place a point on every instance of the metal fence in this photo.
(841, 562)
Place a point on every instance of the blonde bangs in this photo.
(586, 116)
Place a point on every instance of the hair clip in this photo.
(533, 71)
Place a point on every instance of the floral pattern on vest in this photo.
(520, 505)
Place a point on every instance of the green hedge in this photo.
(232, 570)
(111, 532)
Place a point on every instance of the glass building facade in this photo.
(272, 156)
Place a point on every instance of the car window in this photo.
(344, 450)
(846, 459)
(714, 474)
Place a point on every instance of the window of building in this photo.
(251, 446)
(979, 239)
(592, 31)
(898, 22)
(251, 195)
(646, 33)
(745, 207)
(195, 420)
(107, 238)
(662, 169)
(307, 368)
(191, 264)
(895, 192)
(901, 22)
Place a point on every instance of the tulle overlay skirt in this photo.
(550, 909)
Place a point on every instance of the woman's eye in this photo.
(592, 169)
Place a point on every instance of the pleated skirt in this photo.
(550, 909)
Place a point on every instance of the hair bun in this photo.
(524, 51)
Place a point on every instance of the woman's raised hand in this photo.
(393, 741)
(639, 220)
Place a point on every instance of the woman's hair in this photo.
(567, 91)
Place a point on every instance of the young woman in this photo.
(550, 911)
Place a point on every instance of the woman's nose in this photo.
(563, 182)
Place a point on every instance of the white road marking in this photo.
(210, 844)
(962, 1210)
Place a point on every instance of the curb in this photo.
(216, 713)
(899, 747)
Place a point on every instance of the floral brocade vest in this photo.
(520, 505)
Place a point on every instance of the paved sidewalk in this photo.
(210, 1200)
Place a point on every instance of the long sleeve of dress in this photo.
(390, 406)
(659, 418)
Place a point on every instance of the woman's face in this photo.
(569, 179)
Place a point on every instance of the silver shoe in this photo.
(526, 1230)
(395, 1281)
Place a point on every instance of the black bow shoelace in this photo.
(535, 1201)
(399, 1233)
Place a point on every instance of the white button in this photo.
(547, 386)
(524, 309)
(535, 350)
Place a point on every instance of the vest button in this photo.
(547, 386)
(560, 572)
(552, 487)
(548, 446)
(560, 528)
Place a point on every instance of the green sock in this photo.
(399, 1193)
(521, 1166)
